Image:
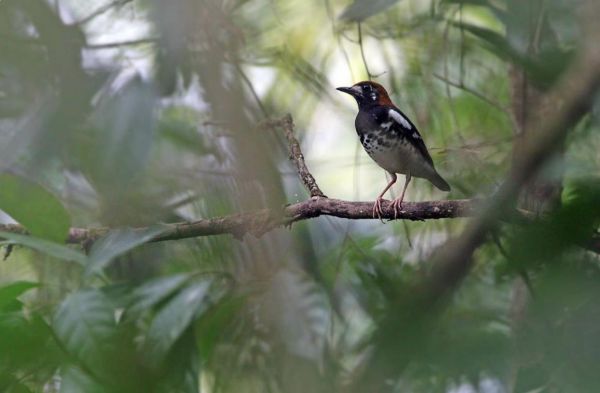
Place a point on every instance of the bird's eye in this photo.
(366, 87)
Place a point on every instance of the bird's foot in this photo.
(377, 209)
(397, 206)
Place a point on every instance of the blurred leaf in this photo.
(9, 293)
(546, 239)
(34, 207)
(216, 324)
(115, 243)
(302, 312)
(126, 124)
(155, 291)
(73, 380)
(174, 318)
(179, 126)
(543, 69)
(496, 41)
(495, 9)
(11, 384)
(85, 324)
(46, 247)
(183, 367)
(310, 78)
(362, 9)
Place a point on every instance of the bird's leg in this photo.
(377, 206)
(397, 203)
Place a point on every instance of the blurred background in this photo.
(133, 113)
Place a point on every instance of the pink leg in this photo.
(397, 203)
(377, 206)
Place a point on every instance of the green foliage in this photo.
(85, 324)
(125, 135)
(55, 250)
(34, 207)
(174, 318)
(115, 243)
(360, 10)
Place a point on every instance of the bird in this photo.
(391, 140)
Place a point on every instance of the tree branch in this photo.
(262, 221)
(297, 157)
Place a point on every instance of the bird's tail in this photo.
(439, 182)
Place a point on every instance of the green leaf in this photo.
(10, 293)
(155, 291)
(74, 380)
(544, 69)
(182, 367)
(118, 242)
(497, 11)
(46, 247)
(34, 207)
(170, 322)
(125, 125)
(85, 324)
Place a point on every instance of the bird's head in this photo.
(368, 93)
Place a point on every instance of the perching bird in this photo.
(391, 140)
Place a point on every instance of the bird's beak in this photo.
(353, 91)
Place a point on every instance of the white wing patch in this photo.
(386, 125)
(400, 119)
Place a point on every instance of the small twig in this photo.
(362, 52)
(250, 86)
(477, 94)
(296, 155)
(470, 146)
(101, 10)
(338, 37)
(109, 45)
(8, 251)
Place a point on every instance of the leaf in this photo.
(85, 324)
(182, 367)
(74, 380)
(153, 292)
(118, 242)
(362, 9)
(170, 323)
(34, 207)
(497, 11)
(214, 326)
(302, 313)
(46, 247)
(544, 69)
(10, 293)
(126, 125)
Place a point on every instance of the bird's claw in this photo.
(377, 210)
(397, 206)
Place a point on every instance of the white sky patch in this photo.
(262, 78)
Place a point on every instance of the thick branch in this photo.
(262, 221)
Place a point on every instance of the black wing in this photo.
(402, 125)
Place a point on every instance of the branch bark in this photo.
(297, 157)
(259, 222)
